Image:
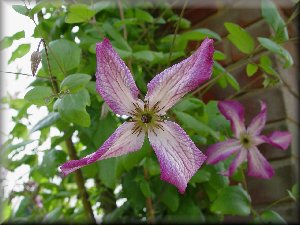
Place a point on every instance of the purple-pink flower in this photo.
(178, 156)
(245, 141)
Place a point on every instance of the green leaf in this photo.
(107, 172)
(51, 161)
(189, 103)
(200, 34)
(232, 200)
(47, 121)
(232, 81)
(75, 82)
(78, 13)
(219, 55)
(278, 49)
(39, 95)
(143, 15)
(200, 176)
(6, 211)
(271, 14)
(132, 190)
(22, 50)
(145, 188)
(53, 215)
(64, 56)
(120, 41)
(21, 9)
(170, 198)
(72, 108)
(240, 38)
(195, 124)
(271, 217)
(294, 193)
(251, 69)
(187, 211)
(7, 41)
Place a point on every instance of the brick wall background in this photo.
(282, 100)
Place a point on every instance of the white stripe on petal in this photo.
(173, 83)
(178, 156)
(114, 80)
(121, 142)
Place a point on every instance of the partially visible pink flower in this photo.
(245, 141)
(178, 156)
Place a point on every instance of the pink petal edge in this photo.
(178, 156)
(234, 112)
(258, 122)
(114, 81)
(258, 166)
(121, 142)
(173, 83)
(222, 150)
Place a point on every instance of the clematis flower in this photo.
(178, 156)
(245, 141)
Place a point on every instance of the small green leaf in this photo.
(21, 9)
(195, 124)
(270, 217)
(251, 69)
(170, 198)
(271, 14)
(72, 108)
(79, 13)
(232, 81)
(278, 49)
(75, 82)
(219, 55)
(47, 121)
(200, 34)
(232, 200)
(120, 41)
(145, 188)
(51, 160)
(240, 38)
(39, 95)
(22, 50)
(200, 176)
(64, 57)
(7, 41)
(107, 172)
(143, 15)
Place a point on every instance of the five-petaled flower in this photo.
(245, 141)
(178, 156)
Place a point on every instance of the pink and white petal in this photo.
(234, 112)
(121, 142)
(239, 159)
(279, 139)
(114, 81)
(258, 166)
(178, 156)
(166, 88)
(258, 123)
(222, 150)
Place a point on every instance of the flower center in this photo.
(146, 118)
(246, 140)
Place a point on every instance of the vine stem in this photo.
(149, 205)
(79, 179)
(176, 31)
(80, 182)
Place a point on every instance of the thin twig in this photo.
(120, 6)
(55, 87)
(176, 31)
(26, 74)
(80, 182)
(149, 205)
